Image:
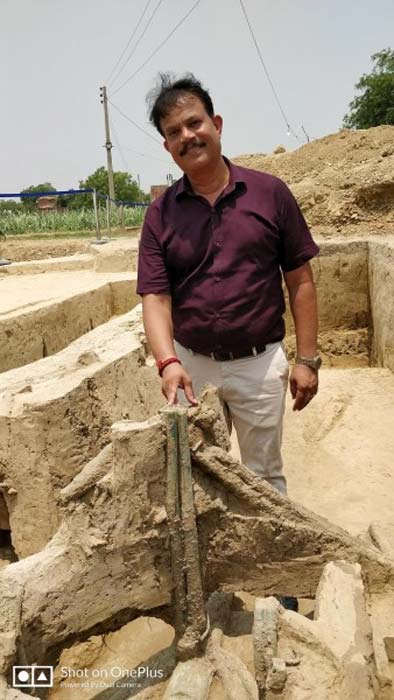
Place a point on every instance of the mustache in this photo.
(187, 146)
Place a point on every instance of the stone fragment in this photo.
(381, 613)
(277, 675)
(191, 680)
(382, 535)
(265, 637)
(389, 646)
(237, 681)
(89, 476)
(340, 610)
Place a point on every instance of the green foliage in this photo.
(126, 188)
(10, 205)
(29, 203)
(375, 105)
(82, 220)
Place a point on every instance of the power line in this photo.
(137, 126)
(119, 148)
(289, 129)
(129, 41)
(159, 47)
(145, 155)
(138, 42)
(132, 150)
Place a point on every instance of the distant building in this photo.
(156, 191)
(45, 204)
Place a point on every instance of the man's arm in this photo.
(157, 319)
(303, 305)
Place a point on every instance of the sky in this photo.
(56, 54)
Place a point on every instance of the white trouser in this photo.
(252, 392)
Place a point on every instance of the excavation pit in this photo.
(41, 314)
(59, 412)
(46, 314)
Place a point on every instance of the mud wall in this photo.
(56, 415)
(43, 328)
(341, 276)
(381, 287)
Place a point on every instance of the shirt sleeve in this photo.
(152, 272)
(297, 245)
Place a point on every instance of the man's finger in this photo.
(303, 398)
(171, 394)
(300, 400)
(293, 388)
(189, 393)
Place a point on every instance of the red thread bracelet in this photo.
(162, 364)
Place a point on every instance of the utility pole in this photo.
(108, 144)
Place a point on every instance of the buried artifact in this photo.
(111, 558)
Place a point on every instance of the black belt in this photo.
(236, 355)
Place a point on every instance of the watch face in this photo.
(312, 362)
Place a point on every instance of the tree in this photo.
(375, 105)
(9, 205)
(30, 202)
(126, 188)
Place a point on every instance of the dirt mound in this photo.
(343, 182)
(20, 248)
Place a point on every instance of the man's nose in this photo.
(186, 134)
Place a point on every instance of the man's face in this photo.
(191, 135)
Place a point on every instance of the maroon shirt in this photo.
(222, 263)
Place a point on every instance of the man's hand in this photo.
(304, 383)
(175, 377)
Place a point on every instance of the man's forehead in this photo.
(185, 106)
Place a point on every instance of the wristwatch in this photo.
(312, 362)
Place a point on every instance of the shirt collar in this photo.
(183, 186)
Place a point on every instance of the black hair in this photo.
(162, 98)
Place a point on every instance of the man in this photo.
(212, 253)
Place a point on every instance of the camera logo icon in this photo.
(32, 676)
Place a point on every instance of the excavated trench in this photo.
(75, 370)
(41, 315)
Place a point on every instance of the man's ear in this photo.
(165, 144)
(218, 122)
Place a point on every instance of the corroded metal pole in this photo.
(174, 521)
(196, 617)
(188, 597)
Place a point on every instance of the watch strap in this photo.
(312, 362)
